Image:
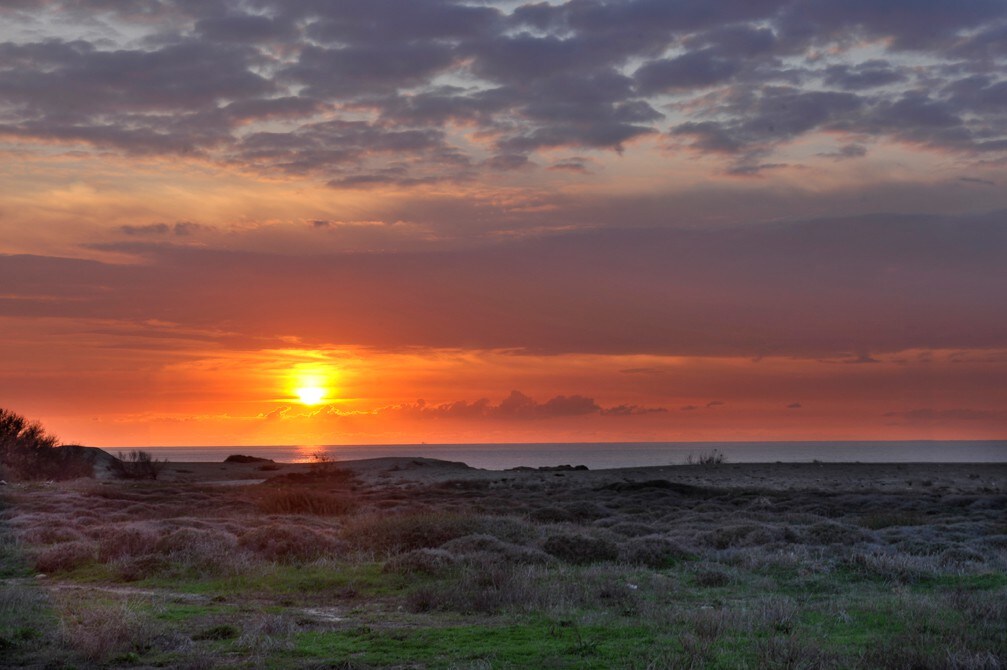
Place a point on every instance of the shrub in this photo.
(300, 500)
(136, 465)
(123, 541)
(484, 589)
(712, 578)
(405, 532)
(488, 548)
(790, 651)
(830, 532)
(98, 631)
(652, 551)
(205, 549)
(224, 631)
(64, 556)
(714, 457)
(287, 544)
(900, 568)
(28, 452)
(581, 549)
(422, 561)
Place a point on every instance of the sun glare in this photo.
(310, 395)
(312, 383)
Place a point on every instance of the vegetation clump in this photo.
(137, 464)
(28, 452)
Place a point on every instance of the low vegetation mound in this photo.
(241, 458)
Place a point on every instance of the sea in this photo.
(602, 455)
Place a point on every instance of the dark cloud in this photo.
(213, 79)
(244, 28)
(846, 151)
(519, 407)
(573, 164)
(862, 358)
(762, 118)
(909, 24)
(347, 71)
(632, 410)
(795, 405)
(180, 228)
(869, 74)
(715, 403)
(694, 70)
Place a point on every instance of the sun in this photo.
(310, 395)
(311, 382)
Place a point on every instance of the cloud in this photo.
(180, 229)
(795, 405)
(846, 151)
(693, 70)
(974, 180)
(520, 407)
(252, 84)
(959, 414)
(573, 164)
(802, 288)
(869, 74)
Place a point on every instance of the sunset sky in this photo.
(378, 221)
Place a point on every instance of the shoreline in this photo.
(406, 471)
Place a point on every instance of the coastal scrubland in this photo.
(414, 563)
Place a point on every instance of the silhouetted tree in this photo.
(27, 451)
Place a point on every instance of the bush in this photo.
(652, 551)
(405, 532)
(137, 465)
(483, 547)
(289, 500)
(126, 541)
(64, 556)
(581, 549)
(422, 562)
(286, 544)
(711, 458)
(27, 452)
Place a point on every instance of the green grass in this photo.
(541, 644)
(26, 616)
(311, 581)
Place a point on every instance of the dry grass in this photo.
(291, 500)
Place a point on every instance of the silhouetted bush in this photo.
(137, 465)
(712, 458)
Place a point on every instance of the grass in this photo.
(538, 644)
(536, 573)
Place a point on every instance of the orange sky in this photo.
(580, 221)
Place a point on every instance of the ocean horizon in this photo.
(602, 455)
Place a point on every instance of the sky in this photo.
(269, 222)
